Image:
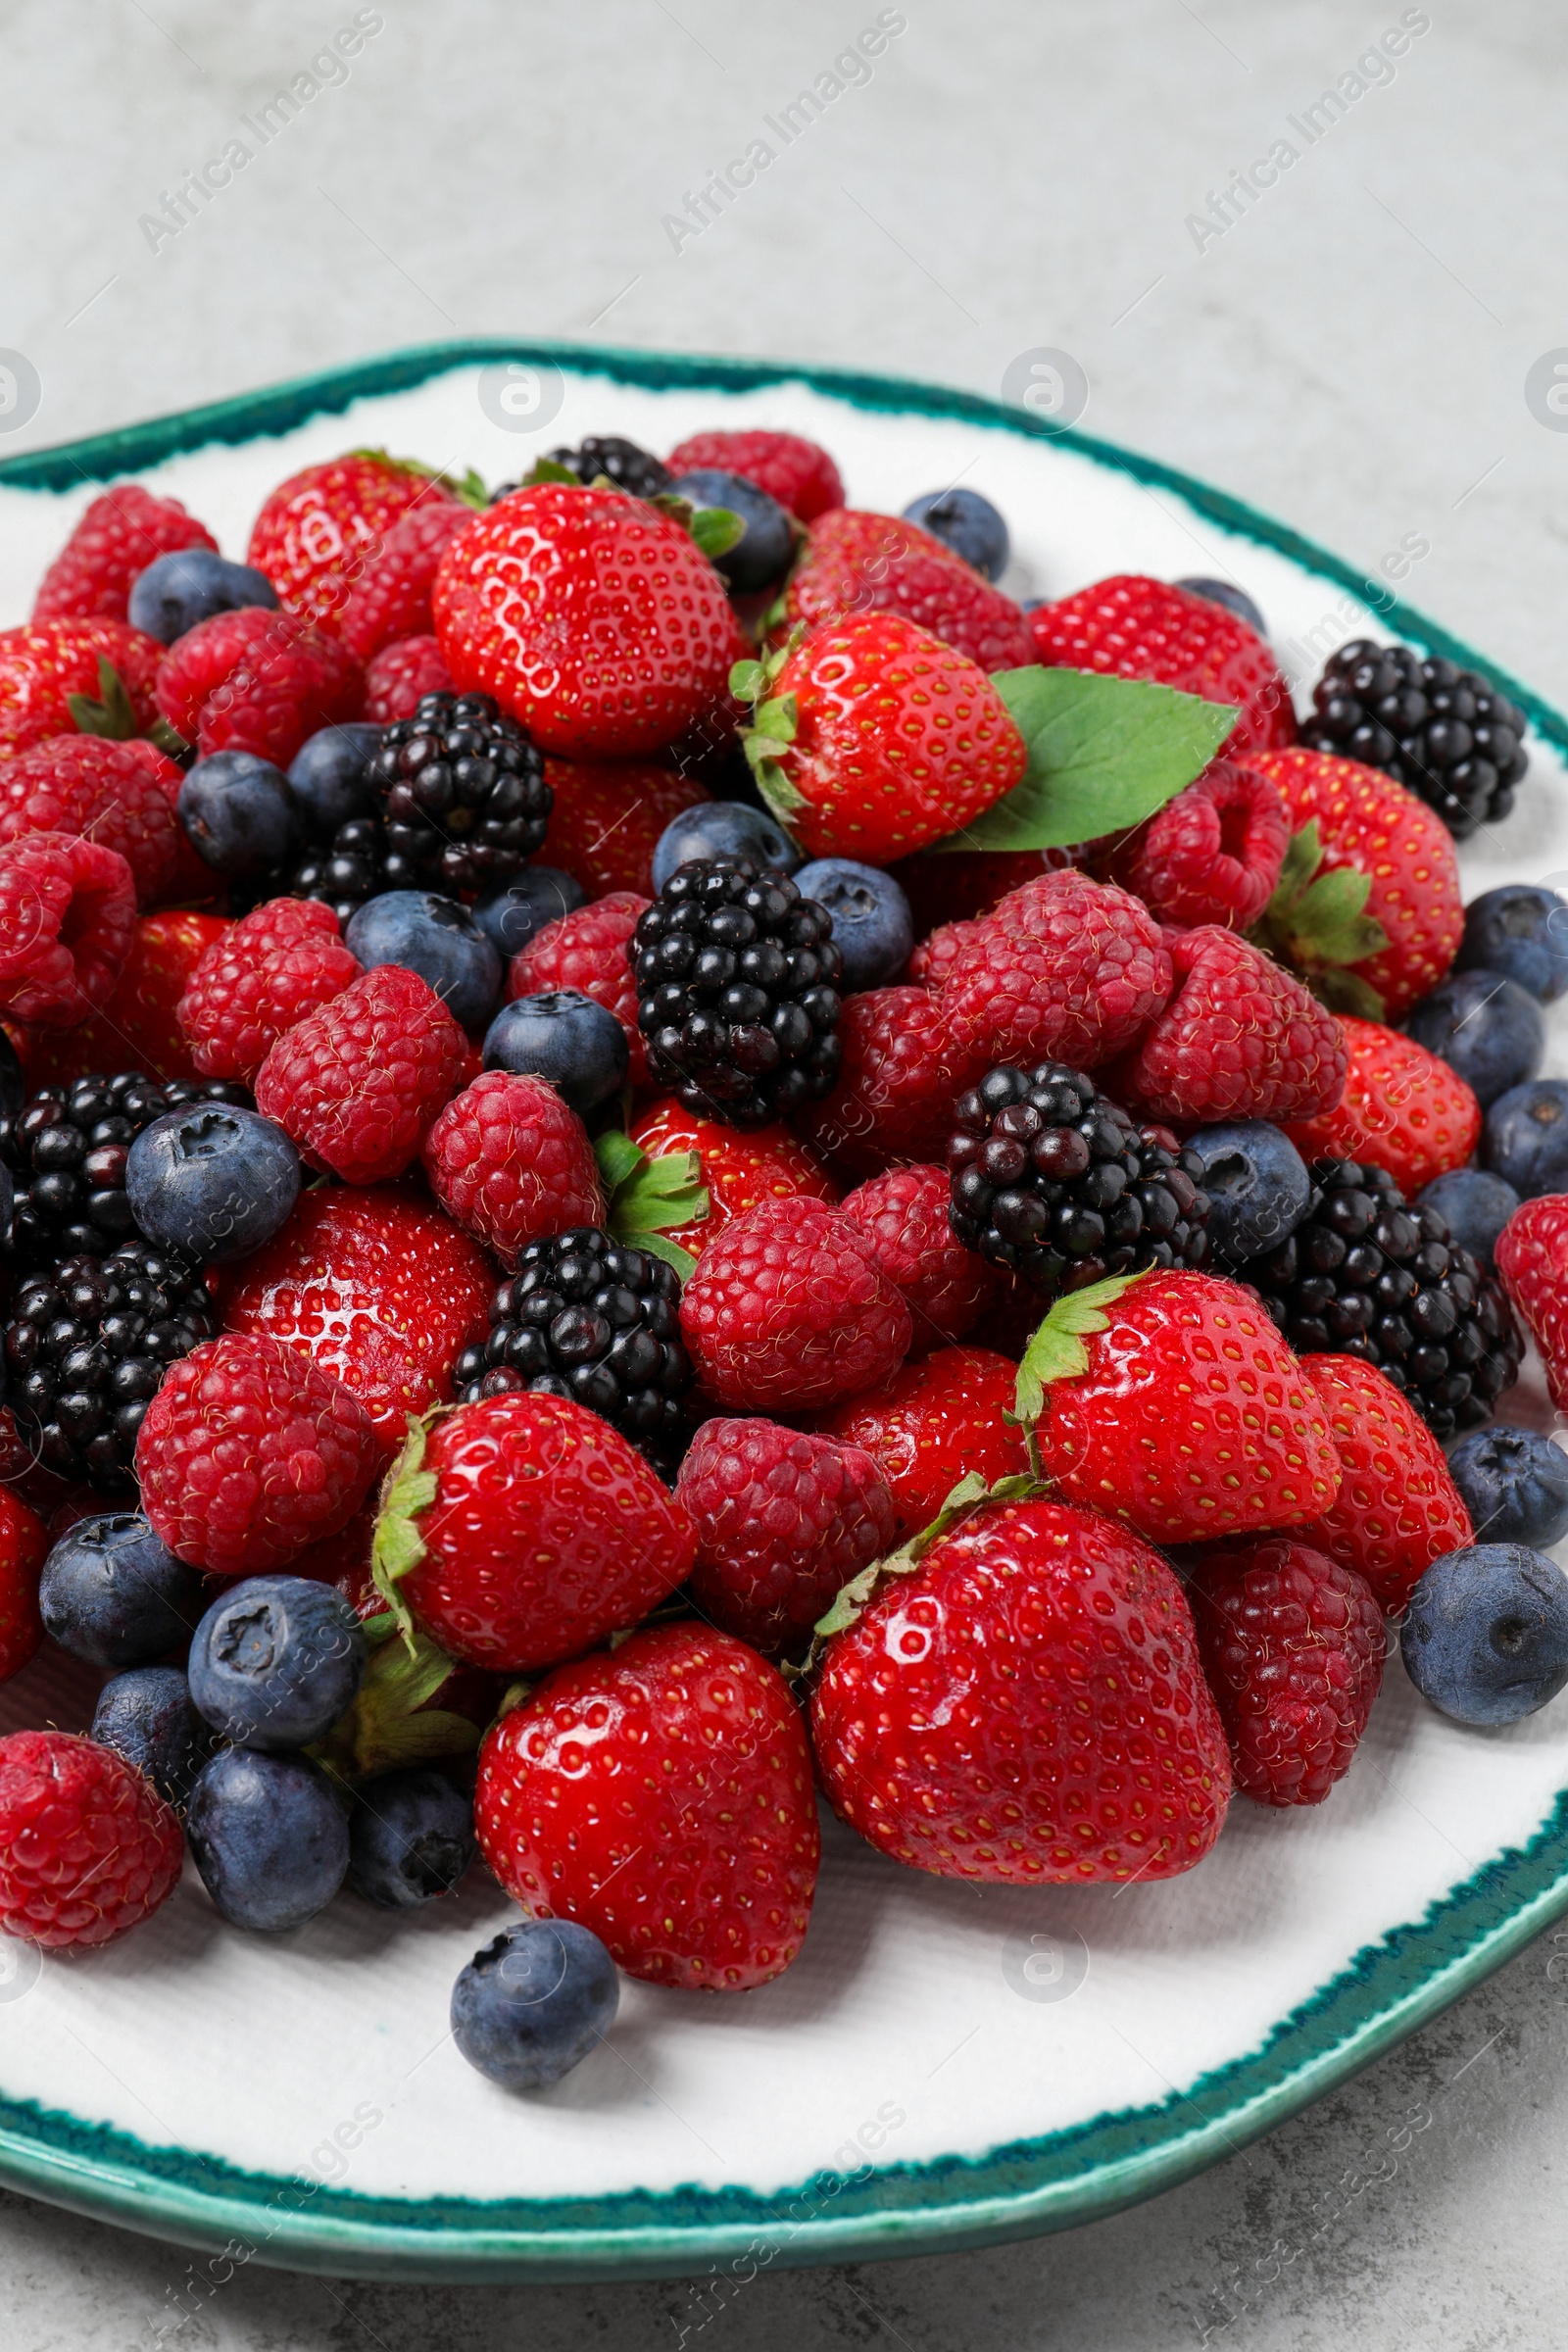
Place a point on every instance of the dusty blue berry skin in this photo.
(1485, 1026)
(275, 1661)
(111, 1595)
(723, 829)
(1233, 599)
(438, 939)
(1515, 1485)
(1475, 1206)
(576, 1044)
(767, 542)
(1257, 1186)
(1521, 929)
(1486, 1636)
(212, 1180)
(515, 911)
(967, 523)
(411, 1840)
(145, 1715)
(532, 2005)
(1525, 1139)
(269, 1836)
(192, 584)
(329, 778)
(240, 813)
(871, 919)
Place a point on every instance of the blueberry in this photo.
(146, 1717)
(1521, 929)
(112, 1595)
(276, 1660)
(767, 542)
(1525, 1139)
(518, 910)
(269, 1836)
(212, 1180)
(1485, 1026)
(1486, 1636)
(1515, 1485)
(533, 2003)
(872, 918)
(240, 813)
(410, 1836)
(436, 938)
(579, 1046)
(329, 778)
(1257, 1186)
(1474, 1205)
(967, 523)
(178, 591)
(1233, 599)
(723, 829)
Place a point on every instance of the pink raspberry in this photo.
(110, 791)
(117, 537)
(400, 676)
(1240, 1038)
(267, 972)
(1212, 855)
(391, 598)
(1531, 1255)
(899, 1076)
(256, 681)
(932, 959)
(68, 920)
(512, 1164)
(783, 1520)
(903, 1219)
(250, 1452)
(1064, 970)
(802, 477)
(359, 1080)
(788, 1310)
(88, 1846)
(588, 951)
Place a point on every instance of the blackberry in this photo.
(1370, 1274)
(463, 791)
(1050, 1179)
(623, 462)
(88, 1343)
(66, 1149)
(1444, 733)
(586, 1317)
(355, 866)
(737, 992)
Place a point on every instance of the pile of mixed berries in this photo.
(617, 1209)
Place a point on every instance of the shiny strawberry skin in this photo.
(738, 1170)
(930, 1424)
(320, 533)
(1397, 1509)
(1532, 1261)
(1402, 1109)
(855, 563)
(1130, 626)
(607, 817)
(43, 661)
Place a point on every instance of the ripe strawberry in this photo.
(319, 532)
(932, 1422)
(1401, 1109)
(137, 1027)
(67, 918)
(523, 1530)
(256, 681)
(512, 1164)
(593, 618)
(1023, 1705)
(380, 1291)
(586, 950)
(607, 817)
(88, 1848)
(801, 477)
(854, 564)
(391, 596)
(43, 663)
(1181, 1410)
(1133, 627)
(88, 784)
(23, 1547)
(904, 1216)
(662, 1797)
(261, 976)
(736, 1170)
(359, 1082)
(1212, 855)
(401, 675)
(1240, 1038)
(788, 1310)
(119, 536)
(900, 1074)
(1397, 1509)
(1066, 969)
(1532, 1258)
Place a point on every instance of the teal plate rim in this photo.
(1021, 2189)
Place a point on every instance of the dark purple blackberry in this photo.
(737, 992)
(463, 793)
(355, 866)
(88, 1343)
(1055, 1182)
(1444, 733)
(66, 1148)
(623, 462)
(586, 1317)
(1368, 1273)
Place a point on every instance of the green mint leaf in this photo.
(715, 530)
(1056, 1351)
(107, 713)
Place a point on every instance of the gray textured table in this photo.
(1346, 343)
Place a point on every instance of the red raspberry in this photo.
(1133, 627)
(901, 1074)
(43, 663)
(117, 537)
(1532, 1257)
(1397, 1509)
(67, 918)
(257, 980)
(401, 675)
(1240, 1038)
(1064, 970)
(359, 1080)
(787, 1309)
(607, 817)
(933, 956)
(1292, 1645)
(801, 477)
(256, 681)
(587, 952)
(137, 1028)
(783, 1520)
(88, 1846)
(1400, 1107)
(87, 784)
(903, 1217)
(249, 1452)
(930, 1424)
(23, 1547)
(391, 597)
(509, 1163)
(1213, 855)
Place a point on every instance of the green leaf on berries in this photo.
(1317, 923)
(1104, 754)
(1056, 1351)
(391, 1722)
(646, 1199)
(549, 470)
(109, 712)
(398, 1545)
(715, 530)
